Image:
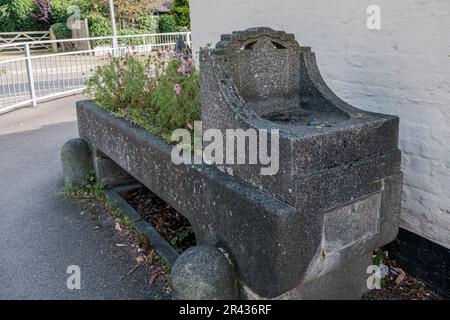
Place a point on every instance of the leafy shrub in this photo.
(59, 10)
(159, 94)
(180, 11)
(134, 40)
(61, 30)
(99, 26)
(167, 23)
(148, 23)
(130, 41)
(87, 7)
(15, 15)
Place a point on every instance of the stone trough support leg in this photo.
(76, 162)
(204, 273)
(108, 172)
(347, 282)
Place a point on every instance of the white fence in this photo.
(31, 78)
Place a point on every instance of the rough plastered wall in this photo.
(401, 69)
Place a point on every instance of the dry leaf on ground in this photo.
(401, 275)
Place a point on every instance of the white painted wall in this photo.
(402, 69)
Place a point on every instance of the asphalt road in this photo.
(41, 232)
(58, 85)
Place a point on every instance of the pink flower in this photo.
(190, 127)
(177, 89)
(182, 69)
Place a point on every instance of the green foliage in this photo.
(92, 189)
(181, 12)
(61, 12)
(167, 23)
(143, 241)
(378, 257)
(123, 85)
(112, 207)
(126, 223)
(61, 30)
(174, 110)
(163, 264)
(99, 26)
(134, 41)
(15, 15)
(161, 103)
(148, 23)
(183, 234)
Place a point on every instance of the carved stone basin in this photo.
(339, 165)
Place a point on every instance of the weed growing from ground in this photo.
(92, 189)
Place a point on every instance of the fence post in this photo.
(30, 74)
(188, 39)
(115, 43)
(54, 44)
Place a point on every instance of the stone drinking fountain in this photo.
(306, 232)
(339, 168)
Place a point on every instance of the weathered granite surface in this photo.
(204, 273)
(339, 165)
(224, 211)
(76, 162)
(334, 200)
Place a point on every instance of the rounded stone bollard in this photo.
(76, 162)
(204, 273)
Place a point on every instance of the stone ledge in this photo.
(162, 247)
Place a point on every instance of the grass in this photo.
(163, 264)
(91, 190)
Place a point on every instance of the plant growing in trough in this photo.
(159, 94)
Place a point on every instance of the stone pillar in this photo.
(108, 172)
(81, 32)
(76, 162)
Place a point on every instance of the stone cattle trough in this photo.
(306, 232)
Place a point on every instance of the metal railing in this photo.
(31, 78)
